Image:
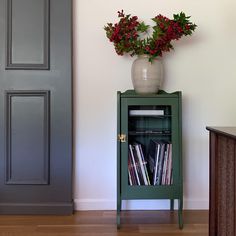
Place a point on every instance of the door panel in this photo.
(28, 34)
(24, 136)
(35, 107)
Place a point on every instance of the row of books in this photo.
(160, 162)
(137, 166)
(153, 169)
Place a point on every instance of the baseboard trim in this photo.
(37, 208)
(110, 204)
(94, 204)
(196, 204)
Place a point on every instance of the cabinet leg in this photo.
(118, 213)
(172, 204)
(180, 214)
(118, 220)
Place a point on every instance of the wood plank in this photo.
(96, 223)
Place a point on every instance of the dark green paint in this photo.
(171, 102)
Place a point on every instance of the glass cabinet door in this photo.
(151, 129)
(150, 145)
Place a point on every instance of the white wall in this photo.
(203, 67)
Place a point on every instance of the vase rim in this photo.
(147, 56)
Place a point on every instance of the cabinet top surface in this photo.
(161, 93)
(228, 131)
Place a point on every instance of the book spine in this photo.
(141, 164)
(157, 156)
(160, 164)
(165, 165)
(145, 166)
(169, 169)
(134, 163)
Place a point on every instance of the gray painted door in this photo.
(35, 107)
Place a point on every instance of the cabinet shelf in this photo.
(149, 116)
(149, 160)
(150, 132)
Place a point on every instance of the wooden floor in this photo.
(89, 223)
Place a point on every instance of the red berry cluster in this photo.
(128, 34)
(123, 34)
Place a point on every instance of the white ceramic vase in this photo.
(147, 76)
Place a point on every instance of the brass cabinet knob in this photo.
(122, 138)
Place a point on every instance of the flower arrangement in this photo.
(133, 37)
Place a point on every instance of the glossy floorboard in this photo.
(97, 223)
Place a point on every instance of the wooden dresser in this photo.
(222, 209)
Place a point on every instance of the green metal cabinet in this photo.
(141, 118)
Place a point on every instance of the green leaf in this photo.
(142, 27)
